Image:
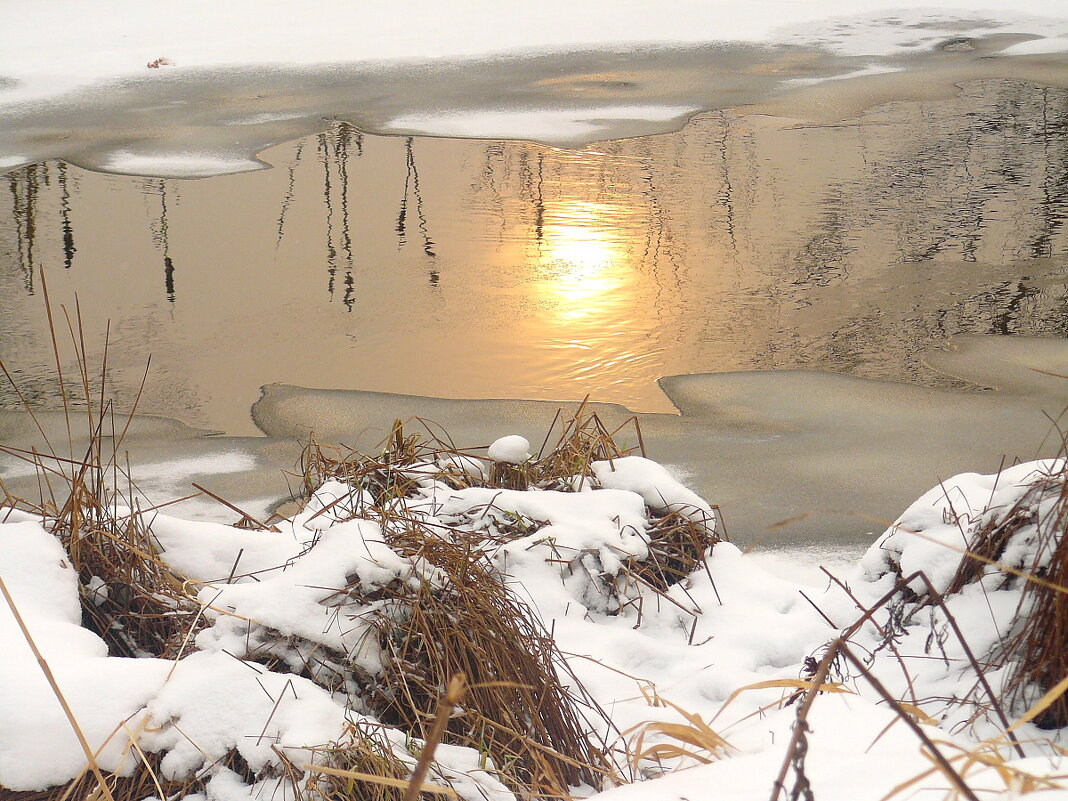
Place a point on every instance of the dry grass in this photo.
(523, 709)
(530, 727)
(1038, 653)
(355, 766)
(145, 781)
(581, 438)
(677, 546)
(1027, 545)
(388, 474)
(987, 546)
(516, 711)
(129, 596)
(419, 446)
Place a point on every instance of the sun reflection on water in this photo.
(582, 262)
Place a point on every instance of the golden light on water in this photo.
(582, 262)
(578, 235)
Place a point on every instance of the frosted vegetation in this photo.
(496, 624)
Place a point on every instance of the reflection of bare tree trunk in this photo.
(162, 239)
(289, 193)
(331, 251)
(539, 204)
(341, 156)
(402, 213)
(24, 207)
(411, 189)
(1055, 177)
(1003, 321)
(726, 193)
(64, 215)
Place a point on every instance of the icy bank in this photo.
(63, 44)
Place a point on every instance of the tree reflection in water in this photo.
(736, 243)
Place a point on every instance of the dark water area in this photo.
(490, 269)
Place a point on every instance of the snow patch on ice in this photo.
(178, 165)
(1036, 47)
(532, 123)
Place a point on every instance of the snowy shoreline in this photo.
(287, 647)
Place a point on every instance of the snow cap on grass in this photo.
(213, 704)
(513, 449)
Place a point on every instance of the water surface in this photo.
(481, 269)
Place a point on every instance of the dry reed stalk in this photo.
(677, 547)
(1038, 652)
(516, 710)
(388, 474)
(582, 438)
(129, 597)
(362, 766)
(987, 545)
(446, 705)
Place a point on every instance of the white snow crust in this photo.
(533, 123)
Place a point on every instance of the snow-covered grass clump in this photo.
(608, 641)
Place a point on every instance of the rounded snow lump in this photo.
(513, 449)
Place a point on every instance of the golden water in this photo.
(476, 269)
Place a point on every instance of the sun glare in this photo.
(582, 259)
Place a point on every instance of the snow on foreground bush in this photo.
(605, 632)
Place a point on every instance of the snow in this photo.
(1034, 47)
(931, 534)
(179, 165)
(533, 123)
(717, 645)
(37, 745)
(513, 449)
(54, 47)
(213, 703)
(658, 488)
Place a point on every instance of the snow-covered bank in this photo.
(293, 637)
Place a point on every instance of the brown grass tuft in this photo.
(129, 597)
(677, 546)
(362, 752)
(582, 438)
(1038, 653)
(516, 710)
(1025, 518)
